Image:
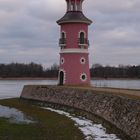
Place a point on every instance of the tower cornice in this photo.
(74, 17)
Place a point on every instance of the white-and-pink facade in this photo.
(74, 61)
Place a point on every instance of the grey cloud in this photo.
(115, 32)
(46, 10)
(108, 6)
(28, 29)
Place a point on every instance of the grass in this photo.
(48, 126)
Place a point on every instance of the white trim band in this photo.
(74, 51)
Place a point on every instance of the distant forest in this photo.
(17, 70)
(121, 71)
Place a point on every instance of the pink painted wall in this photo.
(73, 69)
(72, 66)
(72, 31)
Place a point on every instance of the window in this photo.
(82, 60)
(82, 38)
(83, 77)
(62, 40)
(63, 35)
(62, 60)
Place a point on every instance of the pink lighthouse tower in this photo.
(74, 61)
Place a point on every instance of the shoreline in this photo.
(45, 78)
(28, 78)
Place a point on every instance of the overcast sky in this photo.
(28, 31)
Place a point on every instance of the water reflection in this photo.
(14, 115)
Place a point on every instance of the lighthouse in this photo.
(74, 44)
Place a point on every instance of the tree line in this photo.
(27, 70)
(120, 71)
(96, 71)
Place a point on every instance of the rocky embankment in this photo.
(121, 111)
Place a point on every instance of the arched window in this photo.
(61, 78)
(63, 35)
(82, 38)
(63, 38)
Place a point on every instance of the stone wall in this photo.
(122, 112)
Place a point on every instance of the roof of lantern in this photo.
(74, 17)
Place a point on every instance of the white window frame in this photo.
(82, 58)
(83, 74)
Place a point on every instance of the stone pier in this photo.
(121, 111)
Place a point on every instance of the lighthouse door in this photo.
(61, 78)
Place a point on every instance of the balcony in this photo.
(62, 42)
(83, 42)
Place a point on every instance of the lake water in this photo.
(13, 88)
(126, 84)
(14, 115)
